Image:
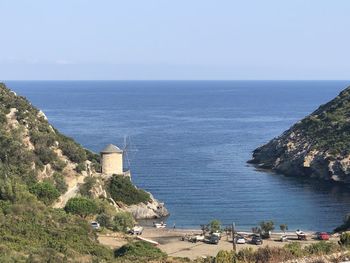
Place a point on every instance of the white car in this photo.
(240, 240)
(95, 225)
(136, 230)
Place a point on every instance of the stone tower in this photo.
(112, 160)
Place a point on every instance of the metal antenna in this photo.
(129, 151)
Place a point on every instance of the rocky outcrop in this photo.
(317, 146)
(150, 210)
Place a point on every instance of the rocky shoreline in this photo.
(315, 147)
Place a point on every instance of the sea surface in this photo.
(190, 141)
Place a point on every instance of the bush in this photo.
(86, 187)
(104, 220)
(224, 256)
(58, 165)
(321, 248)
(80, 167)
(46, 155)
(295, 249)
(139, 251)
(45, 192)
(81, 206)
(122, 221)
(121, 189)
(345, 239)
(246, 255)
(71, 149)
(60, 183)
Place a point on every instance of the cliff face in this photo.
(318, 146)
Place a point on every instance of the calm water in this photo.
(193, 140)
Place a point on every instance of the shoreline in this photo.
(170, 241)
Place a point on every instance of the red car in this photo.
(323, 236)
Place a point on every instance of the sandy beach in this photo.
(170, 241)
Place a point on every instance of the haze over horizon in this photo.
(179, 40)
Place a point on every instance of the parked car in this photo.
(257, 240)
(213, 239)
(218, 234)
(240, 240)
(136, 230)
(323, 236)
(95, 225)
(196, 238)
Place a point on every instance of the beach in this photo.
(170, 241)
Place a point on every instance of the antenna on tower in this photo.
(129, 152)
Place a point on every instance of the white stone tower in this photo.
(112, 160)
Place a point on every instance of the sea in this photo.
(189, 142)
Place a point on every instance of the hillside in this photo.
(43, 171)
(318, 146)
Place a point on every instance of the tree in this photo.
(215, 225)
(283, 227)
(104, 220)
(122, 221)
(204, 228)
(45, 192)
(256, 230)
(81, 206)
(266, 228)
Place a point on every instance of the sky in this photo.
(175, 40)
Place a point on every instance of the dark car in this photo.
(256, 240)
(213, 239)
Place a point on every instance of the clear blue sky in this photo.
(179, 39)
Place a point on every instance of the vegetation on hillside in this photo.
(140, 252)
(328, 127)
(121, 189)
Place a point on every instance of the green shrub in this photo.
(345, 239)
(121, 189)
(60, 183)
(294, 248)
(104, 220)
(80, 167)
(71, 149)
(86, 187)
(58, 165)
(81, 206)
(246, 255)
(139, 251)
(321, 248)
(46, 155)
(224, 256)
(122, 221)
(45, 192)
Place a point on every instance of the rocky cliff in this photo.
(318, 146)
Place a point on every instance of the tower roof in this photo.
(110, 148)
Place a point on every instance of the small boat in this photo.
(159, 225)
(155, 243)
(301, 235)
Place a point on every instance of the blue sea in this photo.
(193, 139)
